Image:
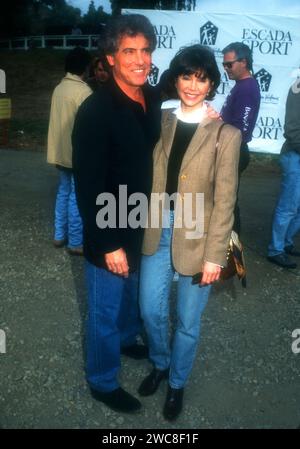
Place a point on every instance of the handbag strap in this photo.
(218, 137)
(218, 143)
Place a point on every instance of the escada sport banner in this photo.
(274, 40)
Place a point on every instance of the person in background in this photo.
(242, 104)
(66, 99)
(186, 162)
(99, 72)
(114, 134)
(286, 221)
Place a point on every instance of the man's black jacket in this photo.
(113, 141)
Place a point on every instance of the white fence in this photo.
(62, 42)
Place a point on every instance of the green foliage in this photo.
(117, 5)
(93, 19)
(36, 17)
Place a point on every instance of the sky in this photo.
(84, 4)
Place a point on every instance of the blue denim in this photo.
(113, 321)
(156, 277)
(286, 221)
(67, 223)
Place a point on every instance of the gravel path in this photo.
(245, 376)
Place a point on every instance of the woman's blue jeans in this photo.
(67, 223)
(113, 321)
(286, 221)
(156, 277)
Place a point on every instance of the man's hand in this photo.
(211, 112)
(116, 262)
(211, 273)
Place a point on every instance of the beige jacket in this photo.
(66, 99)
(202, 171)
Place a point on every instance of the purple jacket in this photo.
(241, 107)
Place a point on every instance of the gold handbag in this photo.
(235, 260)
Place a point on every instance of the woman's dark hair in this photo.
(165, 88)
(196, 59)
(95, 61)
(77, 60)
(127, 25)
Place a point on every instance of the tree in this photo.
(30, 17)
(117, 5)
(93, 20)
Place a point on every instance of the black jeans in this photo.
(243, 164)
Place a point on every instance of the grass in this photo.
(30, 79)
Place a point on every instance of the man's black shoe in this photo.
(136, 351)
(292, 251)
(118, 400)
(151, 382)
(282, 260)
(173, 404)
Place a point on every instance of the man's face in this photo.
(132, 61)
(235, 69)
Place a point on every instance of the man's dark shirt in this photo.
(113, 141)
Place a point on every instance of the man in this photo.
(66, 99)
(286, 221)
(242, 104)
(114, 136)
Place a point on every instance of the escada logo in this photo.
(268, 128)
(274, 42)
(208, 34)
(264, 80)
(153, 75)
(165, 36)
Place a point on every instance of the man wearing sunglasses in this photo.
(242, 104)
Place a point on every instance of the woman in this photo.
(186, 161)
(99, 72)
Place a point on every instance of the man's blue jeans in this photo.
(67, 223)
(286, 221)
(156, 277)
(113, 321)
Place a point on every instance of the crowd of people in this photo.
(182, 166)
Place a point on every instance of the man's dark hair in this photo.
(196, 59)
(77, 60)
(127, 25)
(242, 51)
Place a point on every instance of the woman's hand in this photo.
(211, 273)
(116, 262)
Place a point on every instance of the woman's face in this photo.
(100, 73)
(192, 90)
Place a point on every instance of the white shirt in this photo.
(196, 116)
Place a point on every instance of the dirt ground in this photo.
(245, 376)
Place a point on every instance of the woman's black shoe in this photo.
(118, 400)
(151, 382)
(173, 404)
